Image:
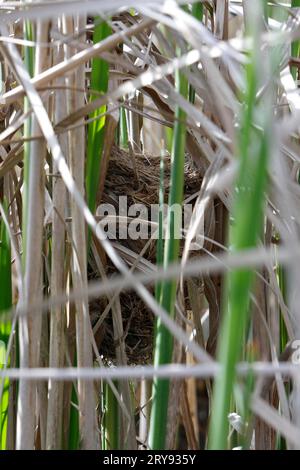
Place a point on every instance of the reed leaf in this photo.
(5, 325)
(163, 339)
(99, 83)
(254, 151)
(296, 44)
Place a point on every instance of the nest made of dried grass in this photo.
(137, 177)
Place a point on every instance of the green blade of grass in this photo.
(74, 440)
(99, 83)
(160, 241)
(296, 44)
(5, 326)
(29, 52)
(254, 150)
(111, 420)
(283, 335)
(123, 129)
(197, 12)
(5, 267)
(163, 339)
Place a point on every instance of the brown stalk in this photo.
(57, 319)
(87, 405)
(27, 419)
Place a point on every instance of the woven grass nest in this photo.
(137, 177)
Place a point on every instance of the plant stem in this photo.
(57, 320)
(5, 325)
(163, 339)
(86, 397)
(30, 328)
(296, 44)
(197, 12)
(254, 150)
(99, 82)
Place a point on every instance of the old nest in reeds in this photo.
(137, 177)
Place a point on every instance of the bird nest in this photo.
(138, 178)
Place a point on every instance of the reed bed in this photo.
(124, 325)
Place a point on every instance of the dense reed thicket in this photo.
(149, 224)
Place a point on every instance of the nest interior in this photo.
(137, 177)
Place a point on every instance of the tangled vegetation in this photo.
(123, 326)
